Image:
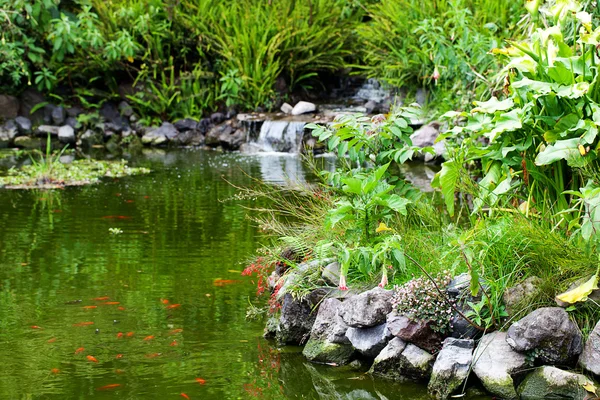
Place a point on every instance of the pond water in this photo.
(170, 283)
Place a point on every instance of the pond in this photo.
(159, 309)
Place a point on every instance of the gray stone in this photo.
(217, 118)
(417, 332)
(331, 274)
(495, 363)
(74, 112)
(44, 130)
(271, 328)
(186, 124)
(23, 125)
(125, 109)
(73, 123)
(113, 118)
(367, 309)
(232, 141)
(451, 367)
(549, 334)
(552, 383)
(519, 296)
(459, 292)
(66, 134)
(400, 360)
(303, 107)
(161, 135)
(58, 115)
(28, 142)
(9, 106)
(371, 106)
(204, 125)
(4, 139)
(10, 129)
(590, 357)
(369, 341)
(329, 325)
(29, 99)
(213, 137)
(296, 320)
(323, 351)
(91, 138)
(286, 108)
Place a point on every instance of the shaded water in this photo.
(178, 240)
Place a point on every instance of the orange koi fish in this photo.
(129, 334)
(129, 201)
(121, 308)
(172, 306)
(110, 387)
(174, 331)
(153, 355)
(87, 323)
(185, 396)
(52, 340)
(119, 371)
(119, 335)
(164, 301)
(200, 381)
(223, 282)
(112, 303)
(174, 343)
(89, 307)
(147, 338)
(55, 371)
(35, 327)
(102, 298)
(119, 356)
(79, 350)
(91, 358)
(116, 217)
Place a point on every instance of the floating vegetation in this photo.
(76, 173)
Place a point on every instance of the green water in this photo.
(178, 238)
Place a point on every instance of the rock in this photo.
(369, 341)
(73, 123)
(495, 363)
(421, 96)
(4, 139)
(451, 367)
(217, 118)
(329, 325)
(331, 274)
(414, 331)
(232, 141)
(367, 309)
(271, 328)
(28, 142)
(590, 357)
(58, 115)
(23, 125)
(324, 351)
(44, 130)
(186, 124)
(552, 383)
(204, 125)
(9, 106)
(113, 118)
(125, 109)
(160, 135)
(371, 107)
(10, 129)
(400, 360)
(459, 292)
(91, 138)
(549, 333)
(29, 99)
(518, 297)
(296, 320)
(303, 107)
(74, 112)
(286, 108)
(213, 137)
(66, 134)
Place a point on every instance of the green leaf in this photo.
(397, 203)
(448, 181)
(561, 150)
(492, 105)
(509, 121)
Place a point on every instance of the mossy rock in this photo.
(326, 352)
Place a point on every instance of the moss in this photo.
(327, 352)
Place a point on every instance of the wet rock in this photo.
(451, 367)
(10, 129)
(417, 332)
(4, 139)
(114, 120)
(552, 383)
(204, 125)
(296, 320)
(125, 109)
(400, 360)
(231, 113)
(73, 123)
(590, 357)
(213, 137)
(303, 107)
(331, 274)
(521, 295)
(329, 325)
(217, 118)
(323, 351)
(23, 125)
(29, 99)
(367, 309)
(66, 134)
(286, 108)
(9, 106)
(371, 107)
(549, 334)
(44, 130)
(27, 142)
(160, 135)
(425, 137)
(186, 124)
(369, 341)
(459, 292)
(232, 141)
(91, 138)
(495, 363)
(58, 115)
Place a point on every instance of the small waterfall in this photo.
(372, 90)
(280, 136)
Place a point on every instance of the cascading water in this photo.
(280, 136)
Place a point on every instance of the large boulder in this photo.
(23, 125)
(323, 351)
(232, 141)
(549, 333)
(552, 383)
(590, 357)
(303, 107)
(369, 341)
(213, 137)
(367, 309)
(495, 363)
(296, 320)
(9, 106)
(400, 360)
(186, 124)
(414, 331)
(519, 296)
(451, 367)
(161, 135)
